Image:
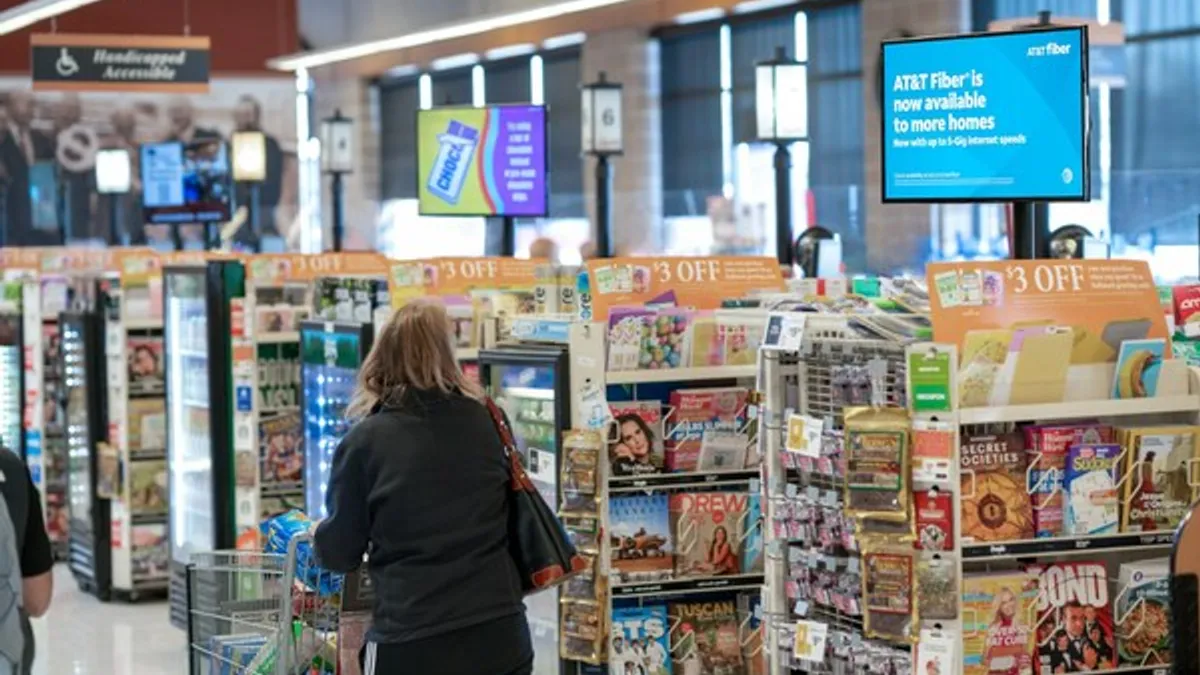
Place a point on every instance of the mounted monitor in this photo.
(185, 182)
(986, 117)
(482, 161)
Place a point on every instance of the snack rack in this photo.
(795, 380)
(592, 426)
(800, 377)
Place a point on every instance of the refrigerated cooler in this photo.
(84, 388)
(330, 357)
(198, 328)
(530, 383)
(12, 384)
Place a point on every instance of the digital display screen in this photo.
(328, 373)
(185, 182)
(989, 117)
(482, 161)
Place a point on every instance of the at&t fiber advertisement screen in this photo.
(993, 117)
(482, 161)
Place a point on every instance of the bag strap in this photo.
(516, 471)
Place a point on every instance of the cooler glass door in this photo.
(11, 388)
(189, 447)
(79, 465)
(330, 356)
(529, 385)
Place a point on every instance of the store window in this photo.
(1155, 204)
(694, 148)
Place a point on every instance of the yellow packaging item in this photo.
(889, 593)
(877, 471)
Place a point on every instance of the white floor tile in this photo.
(83, 636)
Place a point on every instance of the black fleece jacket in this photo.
(423, 487)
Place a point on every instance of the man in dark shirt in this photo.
(33, 544)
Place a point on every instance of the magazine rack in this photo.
(591, 384)
(787, 381)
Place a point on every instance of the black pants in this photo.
(500, 647)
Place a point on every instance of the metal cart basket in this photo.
(254, 613)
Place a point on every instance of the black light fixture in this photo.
(603, 138)
(114, 177)
(250, 168)
(337, 160)
(781, 109)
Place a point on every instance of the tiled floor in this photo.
(83, 636)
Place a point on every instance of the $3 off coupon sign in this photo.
(698, 283)
(459, 276)
(1104, 302)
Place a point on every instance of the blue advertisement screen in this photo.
(992, 117)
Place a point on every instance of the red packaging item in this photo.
(1187, 308)
(696, 411)
(1046, 447)
(935, 520)
(1074, 621)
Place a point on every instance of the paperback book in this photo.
(1158, 492)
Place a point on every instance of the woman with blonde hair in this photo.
(420, 481)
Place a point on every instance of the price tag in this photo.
(804, 435)
(811, 637)
(785, 331)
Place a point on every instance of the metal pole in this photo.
(783, 203)
(4, 222)
(256, 216)
(604, 230)
(508, 237)
(339, 224)
(1031, 230)
(115, 237)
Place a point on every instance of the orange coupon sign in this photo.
(460, 276)
(280, 268)
(699, 283)
(409, 280)
(1103, 302)
(20, 258)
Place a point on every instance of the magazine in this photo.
(148, 486)
(145, 356)
(706, 638)
(1074, 619)
(640, 537)
(710, 531)
(695, 412)
(639, 445)
(997, 622)
(639, 643)
(280, 452)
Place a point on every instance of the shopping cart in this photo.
(254, 613)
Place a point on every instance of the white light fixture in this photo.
(601, 114)
(510, 51)
(760, 5)
(114, 172)
(249, 157)
(324, 57)
(337, 144)
(781, 99)
(407, 70)
(700, 16)
(564, 40)
(455, 61)
(29, 13)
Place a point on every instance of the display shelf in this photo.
(1103, 408)
(148, 454)
(1068, 546)
(148, 518)
(735, 582)
(681, 480)
(467, 354)
(193, 353)
(278, 338)
(681, 374)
